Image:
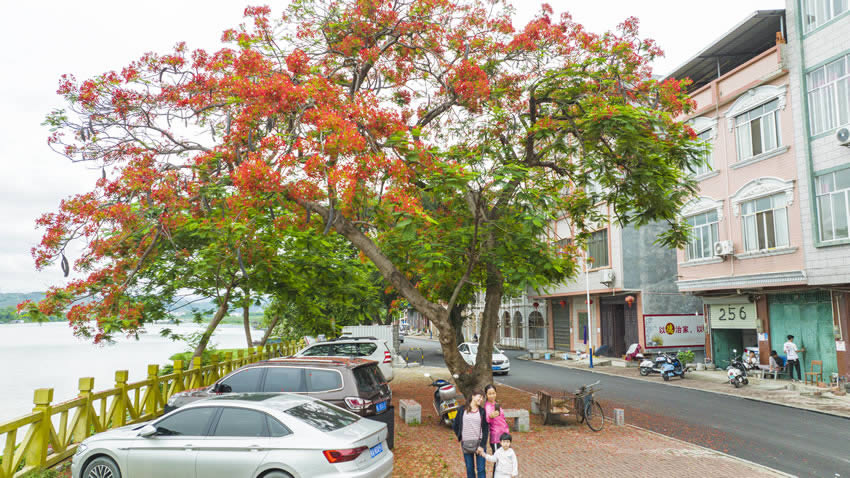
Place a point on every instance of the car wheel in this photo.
(277, 474)
(101, 467)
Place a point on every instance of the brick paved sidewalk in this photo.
(431, 450)
(781, 392)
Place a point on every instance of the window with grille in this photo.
(829, 95)
(706, 165)
(833, 196)
(765, 222)
(818, 12)
(597, 248)
(757, 130)
(703, 235)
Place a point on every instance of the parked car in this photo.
(354, 384)
(369, 348)
(501, 363)
(241, 435)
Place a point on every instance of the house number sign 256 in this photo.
(732, 316)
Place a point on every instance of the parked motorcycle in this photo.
(667, 365)
(445, 400)
(737, 370)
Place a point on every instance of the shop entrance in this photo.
(613, 329)
(561, 325)
(808, 317)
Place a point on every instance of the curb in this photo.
(686, 443)
(711, 450)
(671, 384)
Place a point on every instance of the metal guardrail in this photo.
(51, 433)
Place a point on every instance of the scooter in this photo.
(736, 372)
(666, 364)
(445, 400)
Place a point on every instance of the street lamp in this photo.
(588, 266)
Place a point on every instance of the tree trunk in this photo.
(246, 321)
(456, 320)
(219, 314)
(269, 330)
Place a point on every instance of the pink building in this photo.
(747, 233)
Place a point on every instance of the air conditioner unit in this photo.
(723, 248)
(607, 276)
(843, 136)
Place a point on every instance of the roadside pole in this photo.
(587, 267)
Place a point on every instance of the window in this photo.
(285, 379)
(191, 422)
(597, 248)
(833, 191)
(829, 101)
(562, 246)
(354, 349)
(706, 166)
(322, 416)
(757, 130)
(818, 12)
(276, 429)
(765, 223)
(324, 380)
(247, 380)
(369, 378)
(703, 235)
(323, 350)
(237, 422)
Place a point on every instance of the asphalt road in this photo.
(798, 442)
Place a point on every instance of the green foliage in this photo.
(685, 356)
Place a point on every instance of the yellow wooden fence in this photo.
(51, 432)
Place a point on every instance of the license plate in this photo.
(381, 406)
(452, 414)
(496, 367)
(376, 450)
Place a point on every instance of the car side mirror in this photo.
(222, 388)
(147, 431)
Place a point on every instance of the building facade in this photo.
(819, 41)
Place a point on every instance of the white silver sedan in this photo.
(242, 435)
(501, 363)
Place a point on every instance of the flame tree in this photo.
(435, 136)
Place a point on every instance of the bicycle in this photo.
(581, 403)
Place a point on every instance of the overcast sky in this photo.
(42, 40)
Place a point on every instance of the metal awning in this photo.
(747, 39)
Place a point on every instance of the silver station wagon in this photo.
(242, 435)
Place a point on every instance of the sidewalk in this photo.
(781, 392)
(569, 450)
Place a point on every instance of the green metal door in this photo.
(808, 317)
(723, 342)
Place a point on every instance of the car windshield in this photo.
(474, 349)
(322, 416)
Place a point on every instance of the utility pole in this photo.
(588, 264)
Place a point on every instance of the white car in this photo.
(242, 435)
(368, 348)
(501, 363)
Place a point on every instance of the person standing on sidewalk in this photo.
(495, 417)
(470, 427)
(504, 458)
(791, 359)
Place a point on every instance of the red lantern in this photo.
(630, 299)
(591, 301)
(563, 303)
(536, 305)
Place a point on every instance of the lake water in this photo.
(48, 355)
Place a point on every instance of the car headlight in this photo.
(82, 447)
